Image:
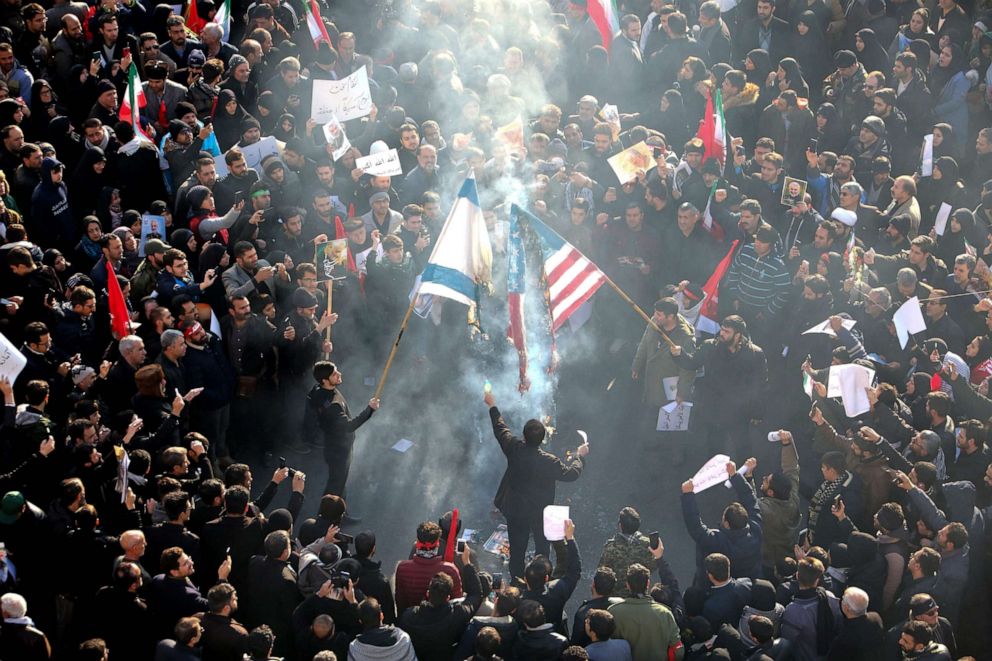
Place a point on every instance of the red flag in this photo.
(339, 233)
(193, 20)
(120, 321)
(449, 548)
(709, 321)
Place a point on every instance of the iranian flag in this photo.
(223, 18)
(708, 224)
(709, 320)
(604, 14)
(134, 101)
(316, 26)
(712, 130)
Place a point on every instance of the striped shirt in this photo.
(762, 283)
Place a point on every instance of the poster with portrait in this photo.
(329, 256)
(634, 159)
(335, 136)
(152, 227)
(793, 191)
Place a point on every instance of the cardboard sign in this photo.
(346, 99)
(383, 164)
(627, 163)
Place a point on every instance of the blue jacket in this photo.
(951, 107)
(742, 546)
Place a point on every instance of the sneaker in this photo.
(298, 448)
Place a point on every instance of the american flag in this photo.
(571, 278)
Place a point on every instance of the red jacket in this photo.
(413, 577)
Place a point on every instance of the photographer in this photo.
(337, 597)
(248, 277)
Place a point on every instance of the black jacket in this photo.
(272, 595)
(506, 626)
(223, 639)
(375, 584)
(860, 639)
(528, 485)
(541, 644)
(555, 594)
(329, 410)
(435, 630)
(242, 534)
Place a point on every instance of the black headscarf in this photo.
(809, 50)
(762, 67)
(227, 127)
(40, 116)
(873, 57)
(940, 76)
(85, 185)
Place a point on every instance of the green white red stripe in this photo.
(134, 101)
(604, 14)
(223, 18)
(713, 228)
(713, 130)
(316, 26)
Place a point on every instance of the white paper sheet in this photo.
(908, 319)
(943, 214)
(849, 383)
(554, 522)
(12, 361)
(711, 474)
(926, 166)
(674, 416)
(826, 329)
(671, 386)
(403, 445)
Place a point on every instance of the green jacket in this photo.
(781, 517)
(653, 362)
(649, 627)
(143, 282)
(620, 553)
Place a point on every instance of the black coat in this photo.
(375, 584)
(747, 39)
(434, 631)
(272, 595)
(860, 639)
(165, 535)
(528, 485)
(329, 410)
(172, 598)
(223, 639)
(243, 534)
(122, 619)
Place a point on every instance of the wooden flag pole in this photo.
(396, 344)
(639, 311)
(330, 300)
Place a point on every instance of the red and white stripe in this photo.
(572, 280)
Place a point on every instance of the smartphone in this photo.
(461, 545)
(345, 539)
(497, 581)
(228, 551)
(838, 501)
(208, 120)
(812, 144)
(282, 462)
(96, 56)
(655, 539)
(126, 51)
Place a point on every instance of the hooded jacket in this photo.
(50, 213)
(386, 643)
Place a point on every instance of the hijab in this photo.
(227, 127)
(85, 185)
(873, 57)
(794, 76)
(762, 67)
(809, 48)
(40, 118)
(921, 49)
(940, 76)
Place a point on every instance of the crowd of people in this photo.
(854, 179)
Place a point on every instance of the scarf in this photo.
(824, 495)
(427, 550)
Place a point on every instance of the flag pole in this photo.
(396, 344)
(638, 310)
(330, 299)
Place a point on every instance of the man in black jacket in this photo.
(603, 582)
(862, 635)
(528, 485)
(374, 583)
(554, 594)
(328, 409)
(436, 625)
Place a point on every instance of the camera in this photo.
(339, 579)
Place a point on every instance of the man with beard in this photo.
(69, 48)
(731, 392)
(328, 410)
(301, 342)
(247, 277)
(249, 339)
